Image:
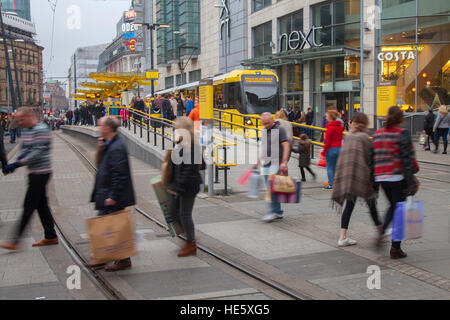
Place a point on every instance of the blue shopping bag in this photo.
(408, 220)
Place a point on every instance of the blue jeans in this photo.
(12, 135)
(332, 157)
(441, 133)
(274, 206)
(112, 209)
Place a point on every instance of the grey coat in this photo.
(442, 122)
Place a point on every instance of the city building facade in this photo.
(82, 63)
(25, 57)
(21, 7)
(314, 47)
(55, 96)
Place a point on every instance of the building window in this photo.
(195, 75)
(416, 60)
(181, 79)
(169, 82)
(260, 4)
(286, 25)
(339, 21)
(262, 38)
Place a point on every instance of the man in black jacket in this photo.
(309, 121)
(139, 105)
(113, 190)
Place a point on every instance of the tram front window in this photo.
(261, 94)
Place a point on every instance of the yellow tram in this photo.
(240, 97)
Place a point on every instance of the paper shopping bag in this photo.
(408, 220)
(164, 198)
(289, 198)
(111, 237)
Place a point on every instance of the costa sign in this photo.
(395, 56)
(298, 40)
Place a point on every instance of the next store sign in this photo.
(297, 39)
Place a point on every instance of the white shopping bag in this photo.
(254, 185)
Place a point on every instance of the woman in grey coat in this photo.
(440, 128)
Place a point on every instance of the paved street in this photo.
(299, 251)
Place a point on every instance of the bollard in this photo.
(148, 129)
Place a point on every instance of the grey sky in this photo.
(98, 19)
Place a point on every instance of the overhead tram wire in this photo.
(53, 7)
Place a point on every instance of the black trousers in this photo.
(394, 193)
(36, 199)
(181, 209)
(302, 171)
(350, 205)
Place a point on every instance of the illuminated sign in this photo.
(128, 27)
(297, 39)
(152, 75)
(128, 35)
(395, 56)
(131, 44)
(131, 14)
(259, 80)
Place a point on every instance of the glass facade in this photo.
(287, 24)
(262, 36)
(21, 7)
(183, 36)
(413, 49)
(340, 21)
(260, 4)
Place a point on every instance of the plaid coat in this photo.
(354, 170)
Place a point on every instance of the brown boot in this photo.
(379, 236)
(190, 249)
(46, 242)
(118, 266)
(9, 246)
(397, 253)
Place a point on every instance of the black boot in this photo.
(445, 147)
(436, 146)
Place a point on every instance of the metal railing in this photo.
(136, 120)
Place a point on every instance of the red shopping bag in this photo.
(322, 162)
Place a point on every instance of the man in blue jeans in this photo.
(274, 156)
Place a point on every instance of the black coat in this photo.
(113, 179)
(185, 178)
(3, 159)
(304, 158)
(309, 118)
(428, 123)
(139, 105)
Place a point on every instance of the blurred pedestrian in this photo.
(98, 112)
(354, 176)
(3, 159)
(303, 148)
(281, 118)
(440, 128)
(69, 116)
(76, 114)
(189, 105)
(395, 166)
(185, 180)
(273, 161)
(309, 122)
(113, 189)
(332, 144)
(194, 115)
(180, 105)
(428, 129)
(174, 105)
(35, 154)
(12, 127)
(167, 108)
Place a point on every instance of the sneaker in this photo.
(346, 242)
(280, 215)
(270, 217)
(387, 232)
(328, 187)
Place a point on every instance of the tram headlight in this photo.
(248, 121)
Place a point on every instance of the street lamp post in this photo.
(151, 27)
(8, 65)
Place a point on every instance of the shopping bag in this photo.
(164, 198)
(289, 198)
(254, 185)
(408, 220)
(282, 184)
(322, 162)
(111, 237)
(166, 168)
(243, 180)
(422, 139)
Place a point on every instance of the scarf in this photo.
(353, 176)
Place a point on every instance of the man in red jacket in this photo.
(332, 144)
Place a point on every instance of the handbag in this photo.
(322, 162)
(166, 168)
(416, 187)
(422, 139)
(282, 184)
(289, 198)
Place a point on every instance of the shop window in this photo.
(398, 31)
(397, 8)
(347, 68)
(294, 78)
(347, 35)
(347, 11)
(260, 4)
(433, 29)
(434, 7)
(262, 36)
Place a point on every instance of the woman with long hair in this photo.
(354, 176)
(440, 128)
(395, 165)
(332, 144)
(282, 119)
(185, 180)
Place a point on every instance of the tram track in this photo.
(95, 276)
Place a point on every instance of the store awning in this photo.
(300, 56)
